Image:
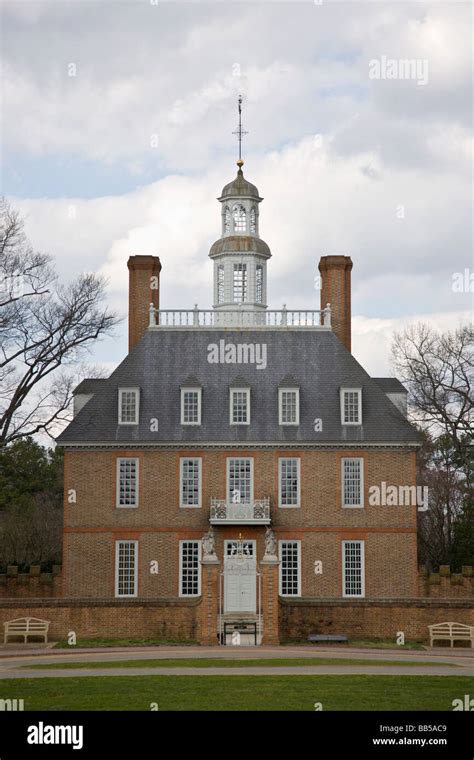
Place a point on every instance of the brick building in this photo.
(238, 456)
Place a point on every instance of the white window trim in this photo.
(117, 491)
(135, 579)
(227, 490)
(362, 569)
(351, 390)
(188, 389)
(298, 504)
(232, 390)
(137, 396)
(353, 506)
(281, 391)
(280, 567)
(187, 541)
(181, 467)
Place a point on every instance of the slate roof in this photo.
(163, 360)
(89, 385)
(390, 385)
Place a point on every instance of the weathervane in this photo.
(240, 133)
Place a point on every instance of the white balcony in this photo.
(195, 319)
(228, 513)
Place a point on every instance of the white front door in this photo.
(240, 580)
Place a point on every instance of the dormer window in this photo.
(240, 406)
(227, 219)
(351, 406)
(253, 221)
(191, 406)
(240, 222)
(289, 406)
(128, 406)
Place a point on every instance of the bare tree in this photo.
(438, 370)
(45, 328)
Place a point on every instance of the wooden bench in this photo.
(327, 637)
(27, 626)
(451, 632)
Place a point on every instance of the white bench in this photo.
(451, 632)
(27, 626)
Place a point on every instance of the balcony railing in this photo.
(227, 513)
(189, 319)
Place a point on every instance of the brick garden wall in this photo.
(370, 618)
(162, 619)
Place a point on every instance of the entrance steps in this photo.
(245, 624)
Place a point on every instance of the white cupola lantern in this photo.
(240, 255)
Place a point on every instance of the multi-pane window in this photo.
(239, 215)
(353, 568)
(220, 283)
(239, 294)
(190, 406)
(253, 221)
(240, 406)
(190, 487)
(289, 406)
(351, 406)
(127, 482)
(239, 481)
(289, 485)
(128, 406)
(189, 568)
(259, 283)
(227, 219)
(126, 556)
(352, 476)
(290, 571)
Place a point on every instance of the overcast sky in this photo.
(377, 169)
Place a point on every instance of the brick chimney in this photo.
(336, 290)
(143, 289)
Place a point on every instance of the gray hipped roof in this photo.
(163, 360)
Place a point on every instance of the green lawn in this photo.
(221, 663)
(240, 693)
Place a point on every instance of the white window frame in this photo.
(191, 389)
(233, 390)
(117, 492)
(280, 467)
(361, 504)
(281, 391)
(227, 485)
(136, 391)
(181, 477)
(362, 568)
(181, 543)
(359, 408)
(280, 568)
(135, 575)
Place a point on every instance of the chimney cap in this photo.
(144, 262)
